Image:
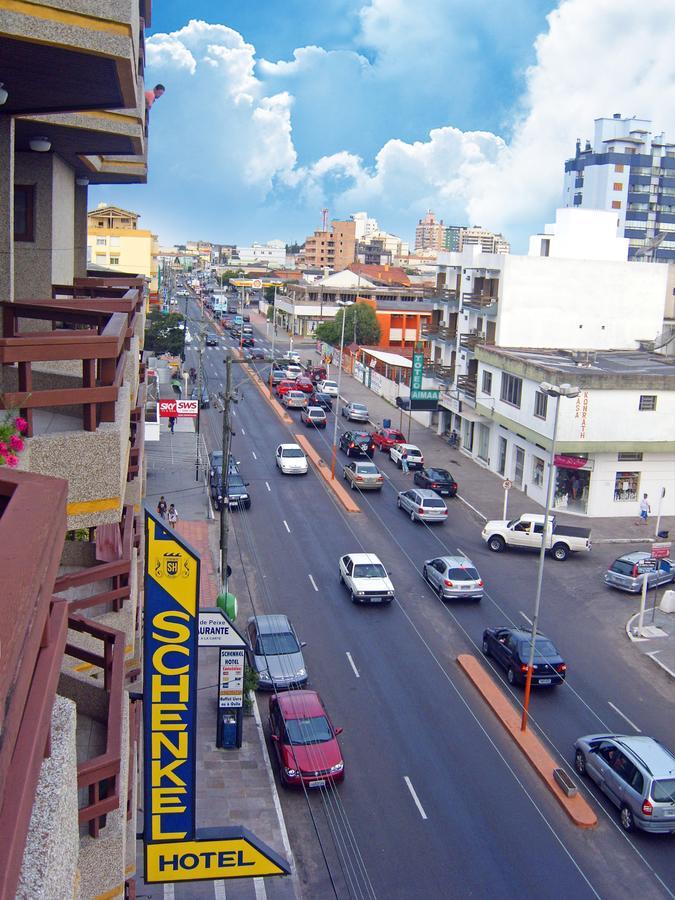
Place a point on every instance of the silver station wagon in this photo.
(422, 505)
(626, 572)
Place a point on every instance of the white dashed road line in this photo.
(268, 487)
(313, 584)
(286, 526)
(253, 454)
(415, 797)
(243, 432)
(624, 716)
(219, 890)
(351, 663)
(527, 618)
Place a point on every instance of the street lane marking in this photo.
(459, 550)
(415, 797)
(253, 453)
(351, 663)
(219, 889)
(473, 508)
(313, 584)
(623, 716)
(658, 662)
(527, 618)
(259, 888)
(168, 891)
(268, 487)
(234, 411)
(286, 526)
(243, 432)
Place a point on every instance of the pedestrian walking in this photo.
(404, 462)
(645, 509)
(162, 508)
(173, 516)
(172, 423)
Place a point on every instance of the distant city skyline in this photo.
(274, 113)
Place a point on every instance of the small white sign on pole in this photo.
(216, 631)
(231, 688)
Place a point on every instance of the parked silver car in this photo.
(294, 400)
(638, 775)
(364, 476)
(453, 577)
(355, 412)
(276, 652)
(423, 505)
(626, 572)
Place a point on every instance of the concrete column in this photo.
(6, 209)
(80, 231)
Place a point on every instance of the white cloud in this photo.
(165, 50)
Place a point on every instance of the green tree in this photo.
(163, 333)
(269, 294)
(360, 326)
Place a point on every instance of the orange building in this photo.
(398, 328)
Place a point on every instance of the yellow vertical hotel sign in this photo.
(169, 683)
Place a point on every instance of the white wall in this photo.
(63, 223)
(579, 304)
(584, 234)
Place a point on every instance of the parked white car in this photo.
(292, 372)
(365, 578)
(415, 455)
(291, 459)
(328, 387)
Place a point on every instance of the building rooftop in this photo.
(580, 364)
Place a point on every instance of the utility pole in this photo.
(200, 350)
(224, 472)
(274, 334)
(337, 399)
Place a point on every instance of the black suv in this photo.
(236, 489)
(510, 647)
(211, 340)
(357, 443)
(439, 480)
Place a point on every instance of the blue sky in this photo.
(273, 111)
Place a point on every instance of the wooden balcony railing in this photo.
(100, 775)
(94, 336)
(118, 572)
(471, 340)
(441, 372)
(467, 384)
(33, 637)
(478, 300)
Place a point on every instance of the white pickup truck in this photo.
(528, 531)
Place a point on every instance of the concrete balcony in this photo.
(444, 374)
(69, 55)
(470, 341)
(467, 385)
(486, 302)
(77, 386)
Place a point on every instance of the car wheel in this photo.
(627, 820)
(496, 543)
(342, 581)
(511, 675)
(580, 762)
(354, 600)
(424, 573)
(560, 552)
(398, 502)
(353, 485)
(412, 515)
(486, 646)
(440, 592)
(399, 464)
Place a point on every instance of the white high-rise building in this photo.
(365, 227)
(631, 172)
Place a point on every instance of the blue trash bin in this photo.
(386, 423)
(228, 731)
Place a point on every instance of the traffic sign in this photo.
(507, 484)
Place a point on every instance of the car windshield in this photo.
(394, 435)
(413, 451)
(439, 474)
(543, 648)
(293, 452)
(359, 406)
(235, 482)
(369, 570)
(664, 791)
(463, 574)
(317, 414)
(315, 730)
(276, 644)
(330, 384)
(431, 502)
(367, 469)
(622, 567)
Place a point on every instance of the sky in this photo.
(274, 111)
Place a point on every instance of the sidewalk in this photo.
(658, 640)
(234, 787)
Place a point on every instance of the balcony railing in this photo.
(94, 336)
(32, 636)
(441, 333)
(100, 775)
(479, 300)
(445, 374)
(471, 340)
(467, 384)
(118, 572)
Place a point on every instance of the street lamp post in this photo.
(564, 390)
(337, 399)
(274, 334)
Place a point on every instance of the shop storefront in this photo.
(572, 482)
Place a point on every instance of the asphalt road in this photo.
(436, 800)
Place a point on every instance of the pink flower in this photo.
(16, 442)
(12, 460)
(20, 424)
(3, 447)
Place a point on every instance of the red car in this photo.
(315, 373)
(385, 438)
(285, 386)
(304, 384)
(305, 740)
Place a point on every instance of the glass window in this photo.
(647, 402)
(114, 260)
(537, 471)
(540, 404)
(100, 242)
(626, 486)
(618, 186)
(618, 167)
(616, 204)
(483, 442)
(468, 574)
(487, 382)
(629, 457)
(24, 212)
(511, 389)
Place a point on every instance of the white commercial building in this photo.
(365, 227)
(615, 441)
(272, 255)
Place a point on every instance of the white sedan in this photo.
(413, 454)
(291, 459)
(328, 387)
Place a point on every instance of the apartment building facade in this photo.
(115, 241)
(334, 249)
(430, 233)
(629, 170)
(70, 541)
(487, 241)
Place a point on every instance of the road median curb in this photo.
(579, 811)
(324, 470)
(265, 391)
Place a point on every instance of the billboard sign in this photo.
(178, 409)
(215, 630)
(231, 686)
(169, 683)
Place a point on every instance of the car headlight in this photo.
(390, 593)
(291, 773)
(301, 673)
(360, 593)
(338, 767)
(264, 674)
